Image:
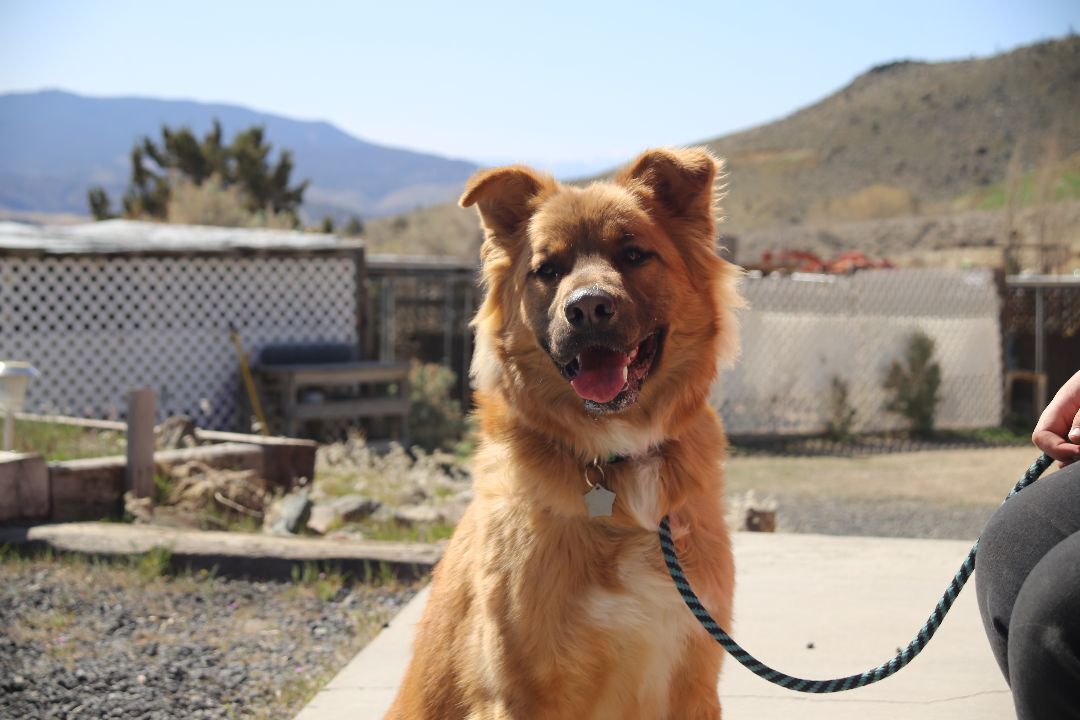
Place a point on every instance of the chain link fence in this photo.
(804, 335)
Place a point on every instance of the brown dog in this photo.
(606, 313)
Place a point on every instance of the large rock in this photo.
(413, 515)
(332, 513)
(289, 515)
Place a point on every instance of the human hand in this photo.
(1058, 431)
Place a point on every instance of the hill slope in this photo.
(903, 139)
(53, 145)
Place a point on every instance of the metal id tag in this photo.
(598, 501)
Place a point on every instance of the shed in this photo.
(101, 307)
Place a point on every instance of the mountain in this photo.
(54, 145)
(903, 140)
(906, 137)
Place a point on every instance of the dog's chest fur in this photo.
(648, 625)
(621, 597)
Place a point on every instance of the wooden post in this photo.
(142, 410)
(1040, 350)
(467, 310)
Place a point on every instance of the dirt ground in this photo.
(924, 494)
(954, 477)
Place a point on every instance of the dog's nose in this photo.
(589, 307)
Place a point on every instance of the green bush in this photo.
(436, 421)
(914, 384)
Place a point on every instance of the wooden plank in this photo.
(142, 409)
(330, 373)
(319, 376)
(376, 407)
(74, 421)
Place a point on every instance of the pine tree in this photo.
(181, 156)
(100, 204)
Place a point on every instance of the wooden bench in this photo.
(306, 391)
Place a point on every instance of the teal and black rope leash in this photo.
(869, 677)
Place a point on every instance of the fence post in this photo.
(142, 409)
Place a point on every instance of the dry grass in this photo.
(353, 467)
(871, 203)
(56, 442)
(956, 477)
(212, 203)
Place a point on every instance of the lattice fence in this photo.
(97, 325)
(801, 331)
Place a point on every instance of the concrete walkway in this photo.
(854, 599)
(230, 553)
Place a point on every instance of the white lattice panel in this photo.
(798, 334)
(96, 326)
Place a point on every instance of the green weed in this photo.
(57, 442)
(154, 563)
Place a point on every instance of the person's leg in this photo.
(1044, 637)
(1017, 537)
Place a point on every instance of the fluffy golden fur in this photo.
(537, 610)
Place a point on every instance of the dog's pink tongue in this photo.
(602, 374)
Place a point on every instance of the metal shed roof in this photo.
(138, 237)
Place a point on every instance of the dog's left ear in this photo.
(505, 196)
(679, 180)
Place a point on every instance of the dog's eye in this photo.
(547, 271)
(634, 255)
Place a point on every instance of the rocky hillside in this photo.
(907, 137)
(904, 140)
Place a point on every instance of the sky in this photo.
(573, 87)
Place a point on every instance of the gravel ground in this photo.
(82, 639)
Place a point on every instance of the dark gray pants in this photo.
(1027, 578)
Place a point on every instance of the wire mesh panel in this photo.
(1035, 307)
(97, 325)
(422, 313)
(800, 332)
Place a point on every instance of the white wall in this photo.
(798, 332)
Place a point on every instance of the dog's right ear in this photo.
(505, 196)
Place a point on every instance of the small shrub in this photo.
(435, 419)
(914, 384)
(841, 413)
(154, 563)
(354, 227)
(215, 203)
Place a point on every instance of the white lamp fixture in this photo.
(14, 377)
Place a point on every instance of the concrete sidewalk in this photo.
(855, 600)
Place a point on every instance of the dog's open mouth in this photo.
(610, 379)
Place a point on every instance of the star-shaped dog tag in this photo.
(598, 501)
